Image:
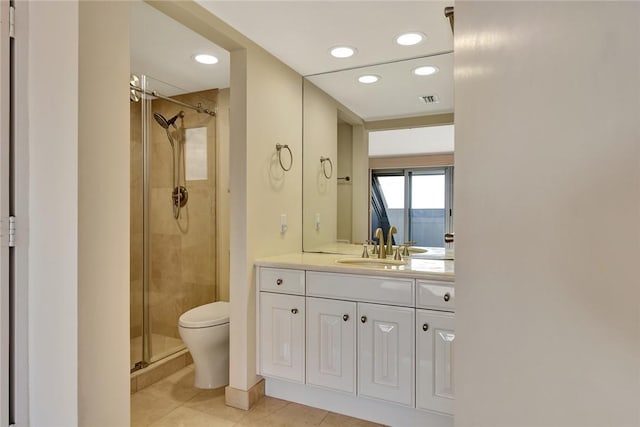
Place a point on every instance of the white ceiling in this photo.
(300, 33)
(162, 48)
(397, 92)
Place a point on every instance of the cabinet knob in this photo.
(279, 282)
(425, 327)
(345, 317)
(447, 297)
(294, 310)
(363, 319)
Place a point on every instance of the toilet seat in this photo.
(204, 316)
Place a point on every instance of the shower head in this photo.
(166, 123)
(161, 120)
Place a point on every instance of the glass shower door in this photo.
(173, 201)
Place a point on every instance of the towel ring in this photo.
(279, 148)
(323, 161)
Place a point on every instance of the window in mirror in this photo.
(387, 203)
(418, 202)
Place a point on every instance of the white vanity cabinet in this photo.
(385, 352)
(282, 324)
(371, 346)
(435, 344)
(435, 338)
(331, 344)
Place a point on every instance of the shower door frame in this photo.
(146, 236)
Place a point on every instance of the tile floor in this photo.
(174, 402)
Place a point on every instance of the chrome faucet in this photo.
(392, 230)
(382, 253)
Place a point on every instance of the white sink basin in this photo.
(372, 262)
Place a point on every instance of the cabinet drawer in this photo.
(360, 288)
(282, 280)
(435, 295)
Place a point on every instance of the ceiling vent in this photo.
(430, 99)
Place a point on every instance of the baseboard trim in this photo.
(376, 411)
(244, 399)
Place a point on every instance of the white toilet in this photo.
(205, 331)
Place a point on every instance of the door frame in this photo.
(5, 135)
(14, 188)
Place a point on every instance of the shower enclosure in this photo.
(173, 202)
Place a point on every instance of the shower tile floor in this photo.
(161, 346)
(175, 402)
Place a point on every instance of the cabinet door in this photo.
(282, 336)
(386, 352)
(435, 339)
(331, 344)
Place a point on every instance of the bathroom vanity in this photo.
(371, 342)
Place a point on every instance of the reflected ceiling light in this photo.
(203, 58)
(426, 70)
(342, 51)
(368, 78)
(409, 39)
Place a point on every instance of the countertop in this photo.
(417, 267)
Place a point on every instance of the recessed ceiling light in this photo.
(368, 78)
(409, 39)
(425, 71)
(342, 51)
(205, 59)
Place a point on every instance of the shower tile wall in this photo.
(182, 253)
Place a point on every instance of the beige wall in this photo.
(422, 161)
(53, 214)
(345, 188)
(78, 213)
(320, 140)
(103, 217)
(360, 184)
(274, 102)
(547, 214)
(223, 193)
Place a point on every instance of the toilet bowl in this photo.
(205, 332)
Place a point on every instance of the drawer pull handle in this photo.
(279, 282)
(345, 317)
(294, 310)
(363, 319)
(425, 327)
(447, 297)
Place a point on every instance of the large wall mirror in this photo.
(395, 132)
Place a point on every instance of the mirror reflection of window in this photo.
(390, 204)
(416, 201)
